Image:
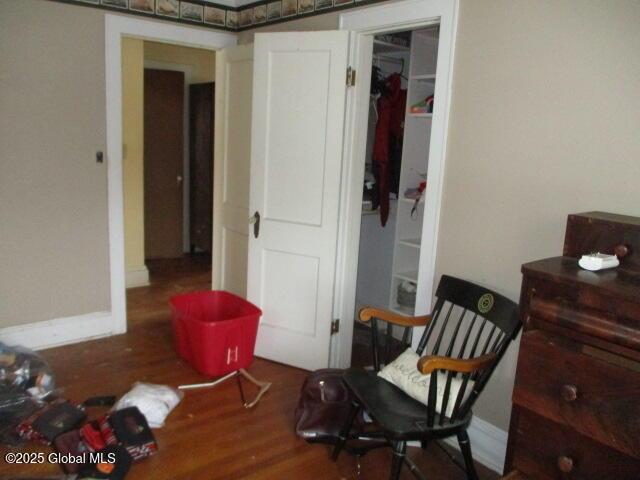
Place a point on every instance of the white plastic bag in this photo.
(154, 401)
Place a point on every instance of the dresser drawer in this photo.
(546, 450)
(564, 382)
(584, 312)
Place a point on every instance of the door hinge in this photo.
(351, 77)
(335, 326)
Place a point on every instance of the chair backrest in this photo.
(468, 321)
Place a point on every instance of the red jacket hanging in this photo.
(389, 131)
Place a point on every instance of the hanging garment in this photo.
(388, 143)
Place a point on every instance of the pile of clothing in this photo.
(105, 447)
(25, 383)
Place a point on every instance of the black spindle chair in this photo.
(464, 339)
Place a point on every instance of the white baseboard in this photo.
(137, 277)
(488, 444)
(59, 331)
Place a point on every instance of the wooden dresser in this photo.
(576, 400)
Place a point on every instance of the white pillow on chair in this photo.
(403, 373)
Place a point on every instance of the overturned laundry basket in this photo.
(215, 331)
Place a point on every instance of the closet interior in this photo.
(395, 178)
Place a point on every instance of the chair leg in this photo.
(399, 451)
(344, 433)
(465, 448)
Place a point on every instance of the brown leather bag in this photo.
(324, 406)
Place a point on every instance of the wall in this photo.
(544, 123)
(133, 154)
(202, 62)
(53, 194)
(327, 21)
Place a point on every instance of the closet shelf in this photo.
(421, 115)
(411, 276)
(425, 77)
(380, 46)
(411, 242)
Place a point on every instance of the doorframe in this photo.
(399, 16)
(116, 27)
(186, 147)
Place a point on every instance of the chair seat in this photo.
(399, 415)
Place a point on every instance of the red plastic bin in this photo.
(215, 331)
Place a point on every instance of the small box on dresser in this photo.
(576, 400)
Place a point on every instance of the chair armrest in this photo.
(430, 363)
(368, 313)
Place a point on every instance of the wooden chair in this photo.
(465, 337)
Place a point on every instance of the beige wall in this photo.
(133, 151)
(328, 21)
(202, 62)
(53, 195)
(544, 122)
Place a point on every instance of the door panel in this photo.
(296, 158)
(238, 76)
(163, 163)
(234, 260)
(297, 120)
(201, 97)
(234, 79)
(295, 313)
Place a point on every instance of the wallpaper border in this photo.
(222, 17)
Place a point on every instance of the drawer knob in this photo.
(565, 464)
(621, 250)
(569, 393)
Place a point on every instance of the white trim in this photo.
(404, 15)
(60, 331)
(117, 26)
(355, 140)
(488, 444)
(397, 16)
(186, 147)
(137, 277)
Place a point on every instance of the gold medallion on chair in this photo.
(485, 304)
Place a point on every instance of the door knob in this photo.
(179, 179)
(255, 220)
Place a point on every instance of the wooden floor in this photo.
(209, 435)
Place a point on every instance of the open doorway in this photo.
(395, 179)
(168, 112)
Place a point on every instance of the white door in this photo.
(299, 89)
(234, 80)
